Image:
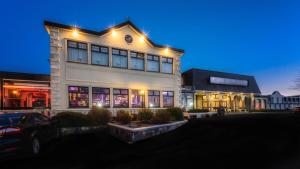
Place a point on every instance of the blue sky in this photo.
(255, 37)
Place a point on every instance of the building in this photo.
(276, 101)
(119, 67)
(24, 91)
(205, 89)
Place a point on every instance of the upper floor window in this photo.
(100, 55)
(137, 60)
(100, 97)
(119, 58)
(153, 63)
(78, 97)
(167, 65)
(77, 52)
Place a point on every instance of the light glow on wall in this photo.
(142, 39)
(114, 33)
(75, 33)
(166, 50)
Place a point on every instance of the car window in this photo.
(10, 119)
(38, 118)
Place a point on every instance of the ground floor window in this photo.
(25, 95)
(138, 98)
(187, 100)
(78, 97)
(168, 99)
(100, 97)
(154, 98)
(120, 98)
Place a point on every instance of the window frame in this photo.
(153, 91)
(168, 97)
(77, 47)
(167, 62)
(119, 54)
(88, 101)
(158, 61)
(103, 88)
(100, 47)
(114, 106)
(137, 57)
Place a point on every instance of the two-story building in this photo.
(119, 67)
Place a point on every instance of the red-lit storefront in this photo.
(22, 91)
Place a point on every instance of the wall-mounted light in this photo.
(150, 105)
(15, 92)
(142, 39)
(99, 104)
(113, 33)
(166, 50)
(75, 33)
(142, 92)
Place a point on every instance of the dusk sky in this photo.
(255, 37)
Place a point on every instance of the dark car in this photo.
(296, 109)
(25, 133)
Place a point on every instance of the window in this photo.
(100, 55)
(25, 94)
(120, 98)
(167, 65)
(154, 98)
(153, 63)
(100, 97)
(78, 97)
(137, 99)
(77, 52)
(137, 60)
(168, 99)
(119, 58)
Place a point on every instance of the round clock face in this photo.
(128, 38)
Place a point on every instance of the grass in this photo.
(240, 141)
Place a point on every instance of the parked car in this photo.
(25, 133)
(296, 109)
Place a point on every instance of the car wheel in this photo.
(35, 146)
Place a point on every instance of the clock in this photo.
(128, 38)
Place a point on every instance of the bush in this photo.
(145, 115)
(73, 119)
(162, 116)
(100, 116)
(123, 117)
(270, 110)
(198, 111)
(176, 113)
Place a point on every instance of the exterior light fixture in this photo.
(150, 105)
(75, 33)
(15, 92)
(142, 92)
(167, 50)
(142, 39)
(99, 104)
(114, 33)
(191, 104)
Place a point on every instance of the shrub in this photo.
(100, 116)
(145, 115)
(73, 119)
(123, 117)
(176, 113)
(162, 116)
(198, 111)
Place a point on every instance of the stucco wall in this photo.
(64, 73)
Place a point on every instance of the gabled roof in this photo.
(100, 33)
(199, 79)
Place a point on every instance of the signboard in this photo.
(227, 81)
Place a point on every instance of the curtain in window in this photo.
(137, 63)
(152, 66)
(100, 58)
(167, 67)
(119, 61)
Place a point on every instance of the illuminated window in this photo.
(100, 55)
(119, 58)
(78, 97)
(137, 61)
(120, 98)
(25, 95)
(154, 98)
(168, 99)
(167, 65)
(100, 97)
(77, 52)
(152, 63)
(137, 99)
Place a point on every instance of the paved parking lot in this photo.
(239, 141)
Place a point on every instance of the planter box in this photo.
(132, 135)
(66, 131)
(201, 115)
